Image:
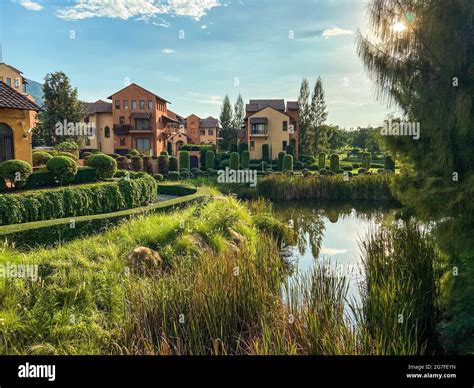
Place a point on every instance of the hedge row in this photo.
(46, 178)
(76, 201)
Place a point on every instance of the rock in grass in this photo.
(144, 261)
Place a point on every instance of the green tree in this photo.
(238, 119)
(320, 133)
(227, 124)
(305, 118)
(60, 103)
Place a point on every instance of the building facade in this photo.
(202, 131)
(13, 77)
(100, 117)
(273, 123)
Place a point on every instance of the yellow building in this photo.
(17, 119)
(100, 117)
(13, 77)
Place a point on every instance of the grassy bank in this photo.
(218, 291)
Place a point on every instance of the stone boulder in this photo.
(144, 261)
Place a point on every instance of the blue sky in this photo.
(260, 48)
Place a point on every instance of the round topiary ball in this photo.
(40, 158)
(159, 177)
(63, 168)
(15, 171)
(105, 166)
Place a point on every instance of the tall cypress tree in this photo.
(226, 123)
(239, 114)
(305, 118)
(319, 139)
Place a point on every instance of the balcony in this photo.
(259, 127)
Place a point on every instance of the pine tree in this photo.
(319, 139)
(60, 103)
(305, 118)
(239, 114)
(226, 123)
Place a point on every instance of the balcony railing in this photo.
(258, 132)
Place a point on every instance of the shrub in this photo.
(323, 171)
(210, 157)
(129, 156)
(299, 165)
(163, 164)
(184, 160)
(313, 167)
(288, 163)
(15, 171)
(245, 160)
(184, 174)
(195, 171)
(69, 155)
(105, 166)
(234, 148)
(40, 158)
(355, 165)
(389, 163)
(212, 172)
(68, 146)
(45, 178)
(334, 162)
(115, 156)
(164, 153)
(322, 161)
(307, 173)
(290, 150)
(234, 161)
(137, 163)
(243, 147)
(85, 154)
(123, 163)
(133, 152)
(281, 156)
(173, 164)
(159, 177)
(361, 171)
(225, 163)
(266, 152)
(173, 176)
(63, 168)
(366, 160)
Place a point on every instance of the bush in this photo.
(265, 152)
(299, 165)
(45, 178)
(105, 166)
(334, 162)
(212, 172)
(389, 163)
(243, 147)
(210, 158)
(15, 171)
(322, 161)
(366, 160)
(68, 146)
(137, 163)
(288, 163)
(307, 173)
(323, 171)
(159, 177)
(129, 156)
(290, 150)
(361, 171)
(133, 152)
(281, 156)
(245, 160)
(164, 153)
(163, 164)
(185, 174)
(69, 155)
(234, 161)
(184, 160)
(85, 154)
(75, 201)
(173, 164)
(173, 176)
(115, 156)
(355, 165)
(40, 158)
(234, 148)
(123, 163)
(63, 168)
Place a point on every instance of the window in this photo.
(202, 132)
(134, 104)
(284, 145)
(125, 104)
(259, 129)
(143, 144)
(285, 126)
(252, 145)
(122, 120)
(210, 132)
(122, 141)
(117, 104)
(150, 104)
(107, 132)
(17, 83)
(142, 104)
(142, 124)
(9, 81)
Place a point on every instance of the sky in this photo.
(194, 52)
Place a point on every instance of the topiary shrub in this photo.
(389, 163)
(163, 164)
(69, 155)
(210, 158)
(173, 164)
(322, 161)
(63, 168)
(307, 173)
(40, 158)
(15, 171)
(212, 172)
(164, 153)
(361, 171)
(323, 171)
(334, 163)
(159, 177)
(245, 160)
(69, 146)
(265, 152)
(234, 161)
(133, 152)
(115, 156)
(173, 176)
(290, 150)
(288, 163)
(123, 163)
(243, 146)
(129, 156)
(366, 160)
(185, 174)
(299, 165)
(137, 163)
(184, 160)
(281, 156)
(234, 148)
(105, 166)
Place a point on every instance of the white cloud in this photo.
(31, 5)
(336, 31)
(203, 27)
(332, 251)
(143, 9)
(204, 98)
(168, 51)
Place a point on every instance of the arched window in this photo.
(6, 143)
(107, 132)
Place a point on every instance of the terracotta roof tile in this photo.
(10, 98)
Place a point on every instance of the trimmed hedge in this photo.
(44, 178)
(173, 164)
(334, 163)
(137, 163)
(184, 160)
(265, 152)
(281, 157)
(245, 160)
(15, 171)
(322, 161)
(389, 163)
(234, 161)
(366, 160)
(77, 200)
(288, 163)
(210, 157)
(40, 158)
(163, 164)
(105, 166)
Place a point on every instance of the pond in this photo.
(329, 234)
